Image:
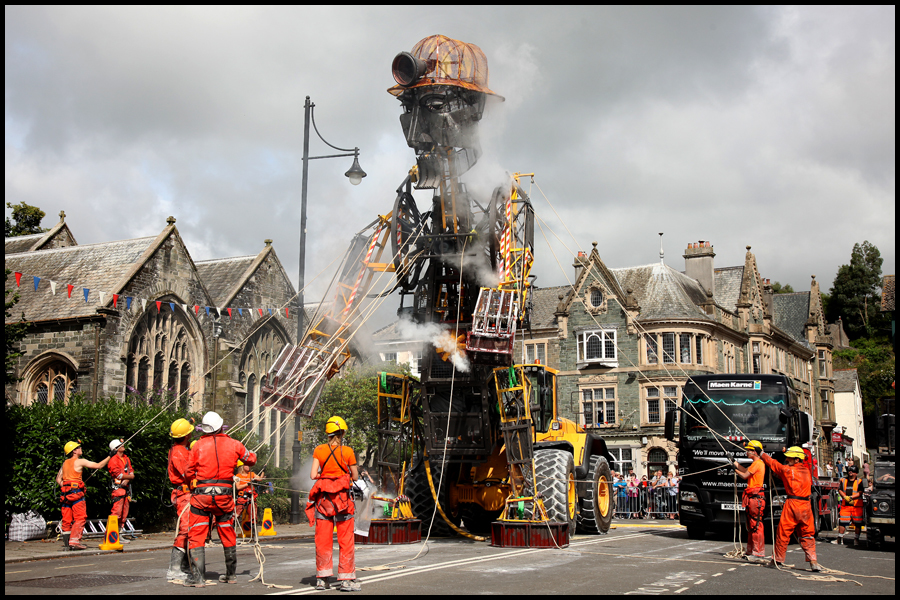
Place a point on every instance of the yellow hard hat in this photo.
(70, 446)
(181, 428)
(192, 444)
(334, 425)
(240, 463)
(795, 452)
(754, 445)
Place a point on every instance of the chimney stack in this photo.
(698, 264)
(579, 263)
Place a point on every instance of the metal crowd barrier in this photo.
(647, 504)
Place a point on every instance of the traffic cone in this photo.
(246, 525)
(268, 524)
(112, 535)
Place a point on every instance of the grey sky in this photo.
(769, 127)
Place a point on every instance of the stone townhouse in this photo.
(625, 341)
(164, 337)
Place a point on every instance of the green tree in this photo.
(854, 294)
(26, 220)
(782, 289)
(875, 363)
(14, 332)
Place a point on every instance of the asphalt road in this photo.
(630, 560)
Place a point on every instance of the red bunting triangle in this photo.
(286, 315)
(196, 309)
(260, 311)
(115, 300)
(18, 279)
(158, 305)
(229, 312)
(69, 289)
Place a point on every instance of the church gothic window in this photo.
(49, 379)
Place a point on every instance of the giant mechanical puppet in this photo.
(462, 263)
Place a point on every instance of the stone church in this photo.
(141, 318)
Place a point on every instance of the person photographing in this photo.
(331, 506)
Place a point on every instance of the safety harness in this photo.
(335, 515)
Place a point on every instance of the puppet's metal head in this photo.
(443, 86)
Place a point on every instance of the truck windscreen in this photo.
(737, 414)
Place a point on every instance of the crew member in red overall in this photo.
(754, 500)
(122, 472)
(179, 458)
(330, 505)
(246, 492)
(851, 490)
(212, 463)
(796, 515)
(74, 509)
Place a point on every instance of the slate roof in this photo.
(662, 292)
(543, 305)
(93, 266)
(728, 286)
(221, 275)
(22, 243)
(845, 380)
(791, 314)
(887, 293)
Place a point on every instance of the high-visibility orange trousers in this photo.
(796, 517)
(324, 549)
(181, 499)
(756, 538)
(120, 508)
(73, 519)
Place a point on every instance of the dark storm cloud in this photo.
(771, 127)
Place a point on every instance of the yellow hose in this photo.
(477, 538)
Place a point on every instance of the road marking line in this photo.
(11, 572)
(76, 566)
(678, 591)
(732, 568)
(717, 574)
(465, 561)
(136, 560)
(698, 582)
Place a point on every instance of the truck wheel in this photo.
(555, 472)
(597, 504)
(422, 501)
(696, 531)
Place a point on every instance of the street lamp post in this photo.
(355, 175)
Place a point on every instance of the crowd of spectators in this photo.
(656, 498)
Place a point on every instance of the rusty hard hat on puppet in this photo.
(439, 60)
(754, 445)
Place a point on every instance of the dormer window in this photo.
(596, 298)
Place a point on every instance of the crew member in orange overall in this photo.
(754, 500)
(74, 509)
(179, 457)
(122, 472)
(330, 505)
(851, 490)
(246, 493)
(212, 463)
(796, 515)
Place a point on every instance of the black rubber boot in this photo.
(65, 539)
(198, 569)
(178, 567)
(230, 566)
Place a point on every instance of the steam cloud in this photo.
(441, 338)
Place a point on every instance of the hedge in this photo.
(36, 434)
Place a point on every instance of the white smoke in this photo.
(441, 338)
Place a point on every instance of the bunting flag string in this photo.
(105, 296)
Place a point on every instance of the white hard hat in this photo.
(115, 444)
(211, 423)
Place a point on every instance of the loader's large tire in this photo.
(422, 501)
(597, 505)
(555, 471)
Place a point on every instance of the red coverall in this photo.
(330, 506)
(754, 500)
(796, 516)
(851, 514)
(179, 458)
(212, 463)
(74, 508)
(117, 466)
